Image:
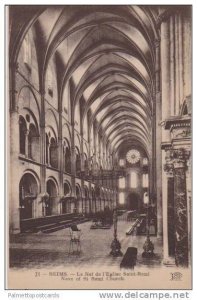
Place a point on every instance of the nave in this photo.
(40, 251)
(100, 109)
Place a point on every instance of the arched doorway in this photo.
(28, 190)
(66, 202)
(133, 201)
(50, 202)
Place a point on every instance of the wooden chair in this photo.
(75, 240)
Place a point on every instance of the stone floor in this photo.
(41, 250)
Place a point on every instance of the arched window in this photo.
(66, 189)
(145, 180)
(78, 200)
(49, 81)
(53, 153)
(77, 117)
(66, 100)
(133, 179)
(145, 161)
(27, 50)
(66, 202)
(67, 157)
(85, 162)
(78, 161)
(22, 134)
(121, 162)
(121, 183)
(87, 203)
(33, 142)
(121, 198)
(92, 137)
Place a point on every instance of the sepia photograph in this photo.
(99, 155)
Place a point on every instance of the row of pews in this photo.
(51, 224)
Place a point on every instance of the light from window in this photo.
(121, 198)
(145, 180)
(146, 198)
(145, 161)
(27, 50)
(121, 183)
(50, 80)
(121, 162)
(77, 116)
(133, 180)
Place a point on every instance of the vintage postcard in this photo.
(99, 110)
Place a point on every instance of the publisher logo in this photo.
(177, 276)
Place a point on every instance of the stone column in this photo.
(180, 42)
(60, 164)
(169, 225)
(82, 177)
(177, 66)
(181, 214)
(189, 204)
(13, 148)
(73, 158)
(156, 184)
(187, 52)
(13, 183)
(43, 192)
(165, 113)
(172, 67)
(90, 196)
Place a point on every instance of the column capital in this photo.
(169, 166)
(169, 169)
(176, 158)
(180, 157)
(164, 16)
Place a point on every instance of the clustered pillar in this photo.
(176, 166)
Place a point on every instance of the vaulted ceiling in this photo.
(109, 53)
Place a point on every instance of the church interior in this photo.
(100, 135)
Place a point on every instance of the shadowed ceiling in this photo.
(109, 54)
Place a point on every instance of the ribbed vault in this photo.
(108, 53)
